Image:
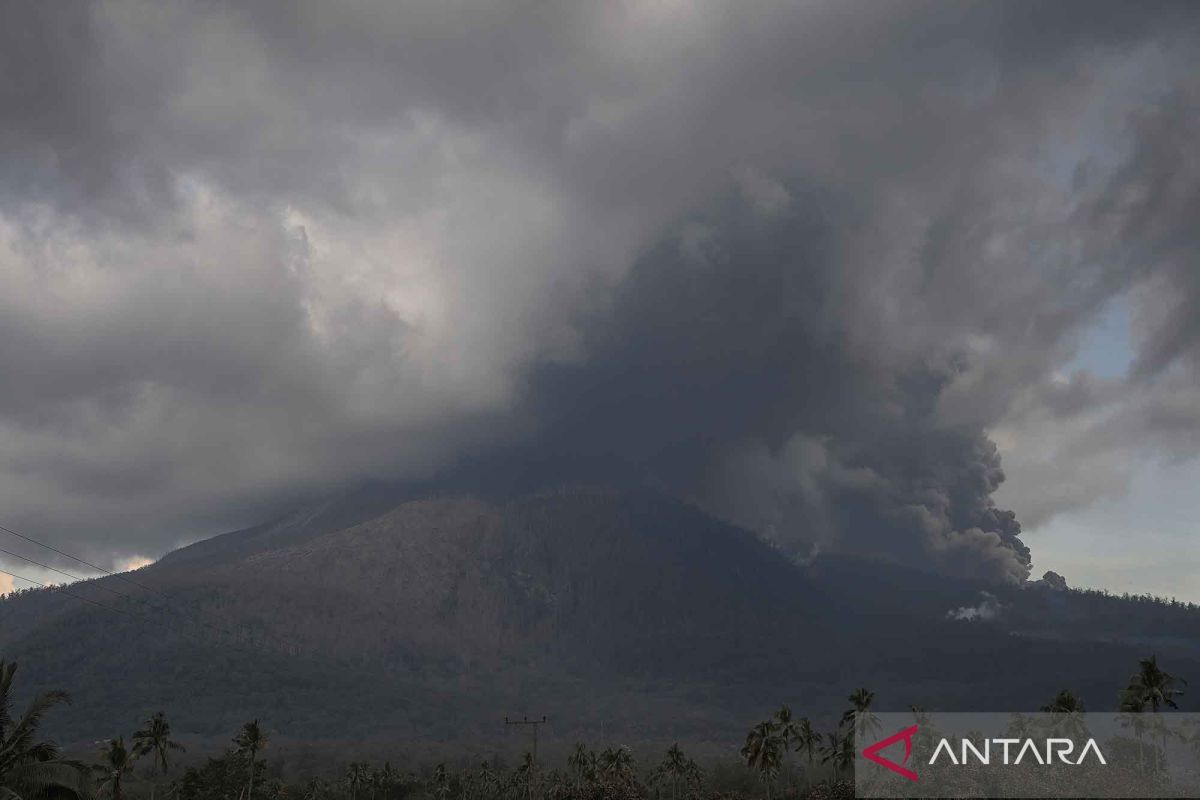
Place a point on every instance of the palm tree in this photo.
(155, 740)
(582, 762)
(115, 761)
(315, 789)
(1132, 707)
(385, 778)
(1064, 703)
(863, 726)
(927, 732)
(807, 739)
(1154, 687)
(1069, 710)
(694, 774)
(839, 751)
(675, 766)
(441, 782)
(525, 775)
(29, 768)
(866, 724)
(249, 741)
(358, 775)
(558, 786)
(787, 732)
(617, 762)
(485, 781)
(762, 752)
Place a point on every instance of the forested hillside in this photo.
(626, 612)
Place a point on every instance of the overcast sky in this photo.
(859, 276)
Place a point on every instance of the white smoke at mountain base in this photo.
(988, 609)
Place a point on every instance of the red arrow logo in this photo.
(872, 752)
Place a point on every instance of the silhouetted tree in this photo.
(866, 724)
(617, 762)
(677, 767)
(155, 740)
(115, 761)
(1156, 688)
(807, 739)
(1132, 708)
(582, 762)
(787, 734)
(762, 752)
(315, 789)
(249, 742)
(28, 767)
(839, 751)
(441, 782)
(1064, 703)
(1069, 710)
(358, 776)
(384, 780)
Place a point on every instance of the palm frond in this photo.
(41, 778)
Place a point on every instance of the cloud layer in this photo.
(797, 263)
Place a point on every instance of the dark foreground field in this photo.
(783, 756)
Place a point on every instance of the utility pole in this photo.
(533, 764)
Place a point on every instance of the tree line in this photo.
(811, 764)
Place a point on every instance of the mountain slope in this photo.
(578, 574)
(620, 611)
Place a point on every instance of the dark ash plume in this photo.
(722, 369)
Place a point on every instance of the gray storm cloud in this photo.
(797, 263)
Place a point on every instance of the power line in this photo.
(74, 558)
(289, 645)
(61, 572)
(64, 591)
(532, 723)
(56, 588)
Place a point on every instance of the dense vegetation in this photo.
(786, 756)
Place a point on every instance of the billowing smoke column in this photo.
(726, 368)
(797, 262)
